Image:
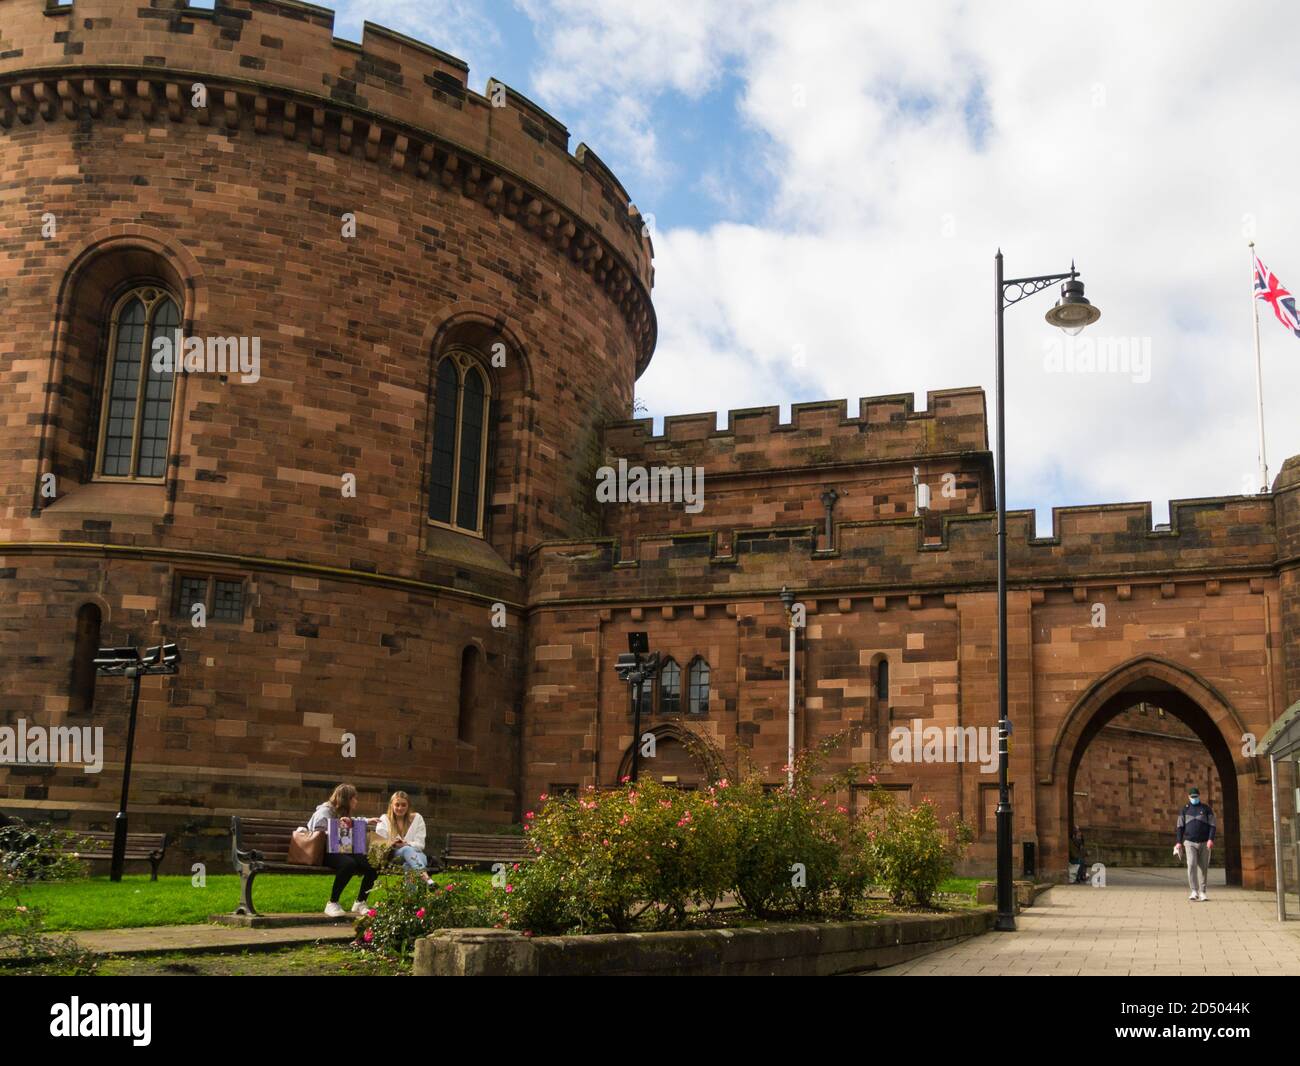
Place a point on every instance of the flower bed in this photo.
(648, 857)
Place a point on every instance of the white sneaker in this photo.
(1202, 896)
(333, 910)
(1195, 896)
(360, 907)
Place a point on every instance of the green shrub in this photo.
(607, 858)
(30, 853)
(538, 899)
(38, 852)
(790, 847)
(909, 851)
(611, 859)
(404, 908)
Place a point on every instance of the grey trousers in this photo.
(1198, 866)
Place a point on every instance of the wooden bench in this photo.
(140, 847)
(484, 849)
(260, 846)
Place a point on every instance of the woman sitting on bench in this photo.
(340, 805)
(404, 831)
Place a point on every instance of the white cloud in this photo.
(1132, 138)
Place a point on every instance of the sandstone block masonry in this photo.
(367, 216)
(406, 576)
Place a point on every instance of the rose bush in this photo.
(403, 908)
(909, 852)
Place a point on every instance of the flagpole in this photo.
(1259, 375)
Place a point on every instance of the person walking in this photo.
(1196, 825)
(1080, 850)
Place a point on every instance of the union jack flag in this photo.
(1269, 289)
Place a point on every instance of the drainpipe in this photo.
(787, 599)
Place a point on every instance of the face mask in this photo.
(1196, 800)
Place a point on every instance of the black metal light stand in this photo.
(127, 662)
(1071, 313)
(637, 666)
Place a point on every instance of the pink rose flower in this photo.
(420, 913)
(370, 913)
(510, 888)
(368, 936)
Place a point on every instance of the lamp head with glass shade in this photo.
(1073, 311)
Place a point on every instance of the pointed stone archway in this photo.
(681, 755)
(1198, 705)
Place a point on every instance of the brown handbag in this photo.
(307, 847)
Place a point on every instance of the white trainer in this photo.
(1202, 896)
(333, 910)
(1194, 896)
(360, 907)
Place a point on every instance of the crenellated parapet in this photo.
(818, 434)
(1111, 544)
(275, 69)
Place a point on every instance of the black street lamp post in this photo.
(637, 666)
(1071, 313)
(127, 662)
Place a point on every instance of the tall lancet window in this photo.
(136, 407)
(458, 467)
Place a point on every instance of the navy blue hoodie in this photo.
(1196, 823)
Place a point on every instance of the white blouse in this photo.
(414, 835)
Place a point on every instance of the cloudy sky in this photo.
(829, 182)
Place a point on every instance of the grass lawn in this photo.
(960, 886)
(308, 960)
(98, 903)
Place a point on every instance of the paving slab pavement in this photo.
(1141, 923)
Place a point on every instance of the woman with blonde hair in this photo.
(405, 833)
(340, 805)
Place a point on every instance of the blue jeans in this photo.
(413, 859)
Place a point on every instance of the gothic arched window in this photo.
(670, 688)
(698, 676)
(458, 469)
(136, 408)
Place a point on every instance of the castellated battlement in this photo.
(274, 67)
(1106, 543)
(885, 428)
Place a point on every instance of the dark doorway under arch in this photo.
(1227, 851)
(684, 758)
